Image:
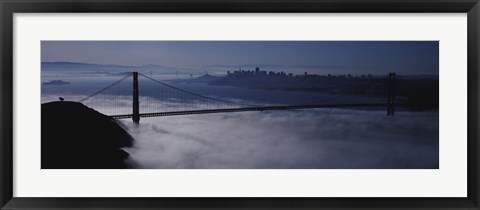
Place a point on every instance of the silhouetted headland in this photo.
(77, 137)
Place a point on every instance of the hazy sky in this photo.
(405, 57)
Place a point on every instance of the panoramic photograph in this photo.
(239, 104)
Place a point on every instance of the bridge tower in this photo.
(136, 111)
(391, 95)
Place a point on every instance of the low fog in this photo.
(295, 139)
(321, 138)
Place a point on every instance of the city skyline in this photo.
(316, 57)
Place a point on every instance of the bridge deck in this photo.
(246, 109)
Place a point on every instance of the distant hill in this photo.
(113, 69)
(84, 65)
(200, 79)
(77, 137)
(415, 92)
(103, 65)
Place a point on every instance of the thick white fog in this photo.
(322, 138)
(301, 139)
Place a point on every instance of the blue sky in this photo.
(356, 57)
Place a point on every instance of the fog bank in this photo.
(302, 139)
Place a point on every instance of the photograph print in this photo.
(239, 104)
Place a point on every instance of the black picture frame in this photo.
(9, 7)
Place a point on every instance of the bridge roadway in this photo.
(247, 109)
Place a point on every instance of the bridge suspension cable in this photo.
(195, 94)
(105, 88)
(158, 98)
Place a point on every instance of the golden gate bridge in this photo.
(155, 98)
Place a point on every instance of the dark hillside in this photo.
(77, 137)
